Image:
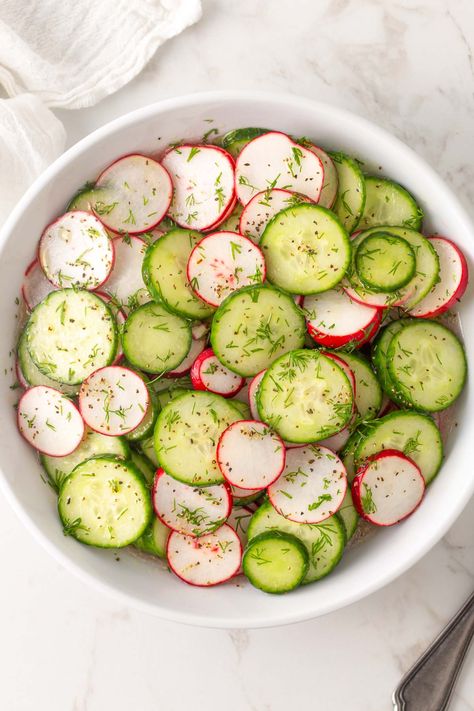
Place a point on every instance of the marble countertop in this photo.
(407, 65)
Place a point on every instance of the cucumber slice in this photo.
(164, 273)
(144, 465)
(379, 359)
(235, 140)
(324, 541)
(350, 199)
(384, 262)
(368, 393)
(70, 334)
(275, 562)
(305, 396)
(186, 435)
(242, 408)
(155, 539)
(92, 445)
(105, 503)
(254, 326)
(388, 203)
(427, 365)
(33, 375)
(147, 447)
(147, 425)
(348, 514)
(83, 199)
(412, 433)
(306, 249)
(154, 339)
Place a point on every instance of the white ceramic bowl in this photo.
(149, 586)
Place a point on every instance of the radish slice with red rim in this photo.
(312, 485)
(205, 561)
(339, 440)
(49, 421)
(36, 286)
(197, 347)
(453, 280)
(113, 400)
(75, 251)
(239, 520)
(191, 510)
(388, 488)
(200, 329)
(328, 194)
(134, 194)
(335, 320)
(223, 262)
(19, 375)
(274, 160)
(250, 455)
(223, 218)
(208, 373)
(258, 212)
(203, 181)
(125, 283)
(253, 389)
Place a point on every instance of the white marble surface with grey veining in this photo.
(407, 65)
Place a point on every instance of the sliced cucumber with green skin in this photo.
(254, 326)
(70, 334)
(33, 375)
(350, 200)
(154, 339)
(146, 426)
(388, 203)
(275, 562)
(144, 465)
(84, 198)
(147, 447)
(93, 444)
(413, 433)
(164, 273)
(368, 393)
(164, 396)
(384, 262)
(324, 541)
(242, 408)
(105, 503)
(379, 359)
(348, 514)
(347, 454)
(427, 266)
(305, 397)
(155, 539)
(235, 140)
(306, 249)
(427, 365)
(186, 435)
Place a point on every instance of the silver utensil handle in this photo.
(430, 682)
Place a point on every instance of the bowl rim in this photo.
(367, 587)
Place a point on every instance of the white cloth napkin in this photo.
(69, 54)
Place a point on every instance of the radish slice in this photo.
(339, 440)
(453, 280)
(205, 561)
(125, 282)
(312, 485)
(376, 300)
(258, 212)
(347, 370)
(298, 299)
(239, 493)
(19, 375)
(113, 400)
(208, 373)
(388, 488)
(135, 194)
(250, 455)
(49, 421)
(203, 181)
(253, 389)
(223, 218)
(328, 194)
(191, 510)
(36, 286)
(223, 262)
(199, 330)
(120, 317)
(275, 161)
(76, 251)
(197, 347)
(334, 319)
